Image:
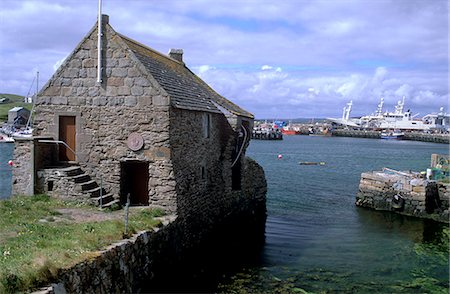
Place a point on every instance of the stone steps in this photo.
(95, 192)
(81, 178)
(111, 203)
(84, 185)
(72, 170)
(106, 199)
(88, 185)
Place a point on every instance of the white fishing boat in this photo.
(399, 119)
(392, 135)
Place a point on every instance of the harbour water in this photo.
(318, 240)
(6, 153)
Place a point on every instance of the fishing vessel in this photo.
(392, 135)
(290, 130)
(398, 119)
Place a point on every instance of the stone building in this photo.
(150, 129)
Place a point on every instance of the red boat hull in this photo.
(290, 132)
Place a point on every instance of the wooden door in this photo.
(67, 134)
(134, 181)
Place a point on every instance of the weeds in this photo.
(34, 246)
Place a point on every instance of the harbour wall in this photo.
(267, 135)
(412, 136)
(156, 260)
(356, 133)
(404, 195)
(434, 138)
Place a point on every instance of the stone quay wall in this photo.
(122, 267)
(412, 136)
(22, 171)
(267, 135)
(434, 138)
(134, 263)
(421, 198)
(29, 155)
(356, 133)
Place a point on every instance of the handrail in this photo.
(60, 142)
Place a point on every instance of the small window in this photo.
(206, 125)
(203, 172)
(50, 186)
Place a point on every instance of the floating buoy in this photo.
(280, 156)
(311, 163)
(10, 163)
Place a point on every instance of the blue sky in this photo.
(284, 59)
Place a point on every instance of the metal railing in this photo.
(60, 142)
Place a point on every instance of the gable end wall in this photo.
(129, 100)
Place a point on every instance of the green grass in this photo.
(32, 250)
(14, 100)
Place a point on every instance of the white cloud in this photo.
(266, 56)
(58, 63)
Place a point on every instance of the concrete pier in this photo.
(413, 136)
(435, 138)
(408, 193)
(356, 133)
(267, 135)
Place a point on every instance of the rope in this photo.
(242, 146)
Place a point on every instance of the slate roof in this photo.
(187, 91)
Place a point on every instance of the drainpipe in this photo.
(99, 43)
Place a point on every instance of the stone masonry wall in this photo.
(29, 155)
(201, 200)
(23, 168)
(127, 101)
(377, 191)
(129, 265)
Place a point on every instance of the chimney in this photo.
(176, 54)
(105, 19)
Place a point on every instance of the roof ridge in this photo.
(148, 48)
(243, 111)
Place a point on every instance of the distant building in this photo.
(28, 99)
(18, 116)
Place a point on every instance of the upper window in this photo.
(206, 125)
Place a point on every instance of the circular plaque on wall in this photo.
(135, 141)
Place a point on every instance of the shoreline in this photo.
(410, 136)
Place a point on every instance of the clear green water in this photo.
(317, 239)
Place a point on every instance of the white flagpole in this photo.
(99, 43)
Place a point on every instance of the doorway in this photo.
(67, 134)
(134, 181)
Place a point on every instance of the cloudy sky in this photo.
(277, 59)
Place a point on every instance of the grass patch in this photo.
(35, 243)
(12, 97)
